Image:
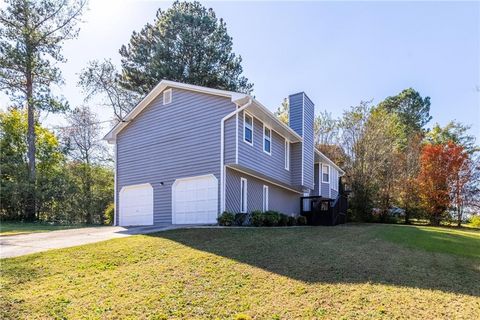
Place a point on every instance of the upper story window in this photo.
(167, 96)
(267, 140)
(287, 154)
(325, 173)
(247, 128)
(335, 180)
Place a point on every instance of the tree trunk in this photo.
(30, 213)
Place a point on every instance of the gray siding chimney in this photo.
(301, 118)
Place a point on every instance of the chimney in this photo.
(301, 118)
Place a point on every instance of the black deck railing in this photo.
(324, 211)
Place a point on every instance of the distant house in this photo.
(186, 153)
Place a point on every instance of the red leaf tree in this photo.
(442, 178)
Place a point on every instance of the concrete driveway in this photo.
(18, 245)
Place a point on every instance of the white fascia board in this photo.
(234, 96)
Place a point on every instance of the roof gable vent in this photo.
(167, 96)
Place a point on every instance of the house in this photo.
(186, 153)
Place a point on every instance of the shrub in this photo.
(291, 221)
(475, 221)
(271, 218)
(301, 220)
(108, 214)
(257, 218)
(241, 219)
(283, 221)
(226, 219)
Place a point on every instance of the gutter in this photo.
(222, 148)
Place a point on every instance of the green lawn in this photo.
(14, 228)
(463, 242)
(352, 272)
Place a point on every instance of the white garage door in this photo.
(195, 200)
(136, 205)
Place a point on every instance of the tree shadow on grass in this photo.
(342, 254)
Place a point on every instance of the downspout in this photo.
(115, 207)
(222, 147)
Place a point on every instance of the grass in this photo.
(350, 272)
(463, 242)
(14, 228)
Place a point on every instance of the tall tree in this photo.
(31, 38)
(185, 43)
(412, 109)
(14, 184)
(100, 78)
(408, 162)
(84, 145)
(453, 131)
(282, 112)
(442, 179)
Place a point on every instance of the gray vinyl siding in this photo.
(167, 142)
(280, 199)
(308, 142)
(229, 136)
(296, 163)
(301, 117)
(334, 194)
(256, 159)
(325, 187)
(295, 115)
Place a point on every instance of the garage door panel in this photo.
(136, 205)
(195, 200)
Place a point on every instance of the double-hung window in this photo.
(267, 140)
(243, 195)
(287, 154)
(325, 173)
(247, 128)
(265, 198)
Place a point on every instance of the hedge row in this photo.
(260, 219)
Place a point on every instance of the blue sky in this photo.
(339, 53)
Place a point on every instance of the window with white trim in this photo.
(335, 179)
(247, 128)
(243, 195)
(167, 96)
(265, 198)
(325, 173)
(287, 154)
(267, 140)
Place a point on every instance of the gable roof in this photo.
(238, 98)
(330, 162)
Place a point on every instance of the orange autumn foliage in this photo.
(440, 169)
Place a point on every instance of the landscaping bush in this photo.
(241, 219)
(108, 214)
(271, 218)
(291, 221)
(257, 218)
(283, 221)
(301, 220)
(475, 221)
(226, 219)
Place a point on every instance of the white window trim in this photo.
(287, 155)
(243, 197)
(244, 126)
(326, 181)
(167, 93)
(265, 137)
(265, 198)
